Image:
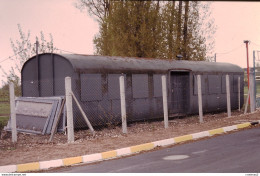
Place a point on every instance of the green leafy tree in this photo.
(137, 35)
(157, 29)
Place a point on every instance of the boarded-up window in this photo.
(140, 85)
(91, 87)
(113, 86)
(203, 84)
(157, 85)
(214, 84)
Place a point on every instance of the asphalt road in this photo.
(238, 152)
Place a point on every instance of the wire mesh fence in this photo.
(99, 96)
(5, 99)
(4, 103)
(257, 86)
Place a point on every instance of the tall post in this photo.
(246, 42)
(12, 111)
(215, 58)
(254, 72)
(37, 66)
(123, 104)
(228, 96)
(238, 87)
(37, 46)
(200, 98)
(165, 104)
(70, 125)
(252, 93)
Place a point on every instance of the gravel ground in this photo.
(31, 148)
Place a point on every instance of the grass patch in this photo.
(3, 121)
(257, 89)
(4, 108)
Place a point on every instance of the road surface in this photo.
(238, 152)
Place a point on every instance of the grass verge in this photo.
(3, 122)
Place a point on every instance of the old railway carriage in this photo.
(95, 82)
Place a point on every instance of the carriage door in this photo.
(179, 82)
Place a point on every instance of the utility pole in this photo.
(37, 65)
(246, 42)
(215, 58)
(37, 46)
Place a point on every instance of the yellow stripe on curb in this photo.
(142, 147)
(72, 160)
(28, 167)
(243, 125)
(183, 138)
(216, 131)
(109, 154)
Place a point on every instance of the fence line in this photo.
(117, 99)
(13, 114)
(83, 114)
(228, 96)
(123, 104)
(252, 92)
(165, 102)
(200, 98)
(238, 87)
(70, 123)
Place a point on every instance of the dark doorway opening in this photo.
(179, 84)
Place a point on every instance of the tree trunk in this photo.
(171, 32)
(185, 30)
(179, 29)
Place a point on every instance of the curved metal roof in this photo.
(84, 62)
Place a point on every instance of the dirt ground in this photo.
(31, 148)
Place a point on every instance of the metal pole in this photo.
(215, 57)
(12, 111)
(238, 82)
(165, 104)
(246, 42)
(254, 73)
(70, 125)
(123, 104)
(200, 98)
(252, 96)
(228, 96)
(37, 67)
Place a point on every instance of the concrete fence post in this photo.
(13, 113)
(228, 96)
(247, 100)
(165, 104)
(200, 98)
(83, 114)
(252, 92)
(70, 124)
(238, 87)
(123, 104)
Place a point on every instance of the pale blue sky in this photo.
(74, 31)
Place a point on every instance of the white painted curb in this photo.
(50, 164)
(117, 153)
(92, 158)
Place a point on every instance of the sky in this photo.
(74, 31)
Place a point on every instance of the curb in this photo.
(43, 165)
